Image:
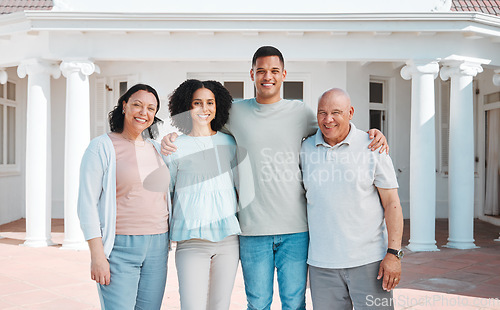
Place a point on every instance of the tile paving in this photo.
(52, 278)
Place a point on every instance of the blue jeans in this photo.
(288, 254)
(138, 266)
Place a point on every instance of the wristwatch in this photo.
(398, 253)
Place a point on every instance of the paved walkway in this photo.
(51, 278)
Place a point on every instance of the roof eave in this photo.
(233, 22)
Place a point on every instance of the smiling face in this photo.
(334, 113)
(202, 108)
(139, 110)
(268, 74)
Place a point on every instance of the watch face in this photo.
(400, 254)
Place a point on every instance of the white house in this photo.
(427, 73)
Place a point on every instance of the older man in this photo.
(354, 255)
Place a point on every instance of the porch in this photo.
(51, 278)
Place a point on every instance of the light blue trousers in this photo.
(138, 267)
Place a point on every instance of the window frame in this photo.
(377, 106)
(221, 77)
(106, 92)
(305, 78)
(248, 84)
(7, 169)
(388, 106)
(292, 81)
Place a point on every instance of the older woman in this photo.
(204, 222)
(123, 205)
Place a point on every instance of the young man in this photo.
(354, 214)
(274, 224)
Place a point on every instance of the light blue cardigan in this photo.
(97, 193)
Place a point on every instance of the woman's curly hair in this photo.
(116, 117)
(180, 102)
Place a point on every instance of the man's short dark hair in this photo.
(264, 51)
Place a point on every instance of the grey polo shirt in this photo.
(345, 216)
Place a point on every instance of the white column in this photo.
(3, 76)
(77, 138)
(38, 175)
(496, 78)
(461, 152)
(422, 154)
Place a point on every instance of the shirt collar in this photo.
(319, 140)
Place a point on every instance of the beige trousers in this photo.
(206, 272)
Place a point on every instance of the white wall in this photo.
(399, 96)
(58, 123)
(353, 76)
(401, 158)
(357, 86)
(166, 76)
(12, 187)
(486, 86)
(323, 76)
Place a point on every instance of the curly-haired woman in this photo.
(123, 205)
(204, 222)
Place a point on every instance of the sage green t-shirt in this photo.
(269, 137)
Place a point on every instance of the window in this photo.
(123, 87)
(240, 86)
(236, 89)
(293, 90)
(492, 98)
(378, 105)
(8, 152)
(107, 91)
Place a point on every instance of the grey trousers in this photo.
(345, 288)
(206, 272)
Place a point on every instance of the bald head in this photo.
(337, 95)
(334, 114)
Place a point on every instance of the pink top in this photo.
(142, 181)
